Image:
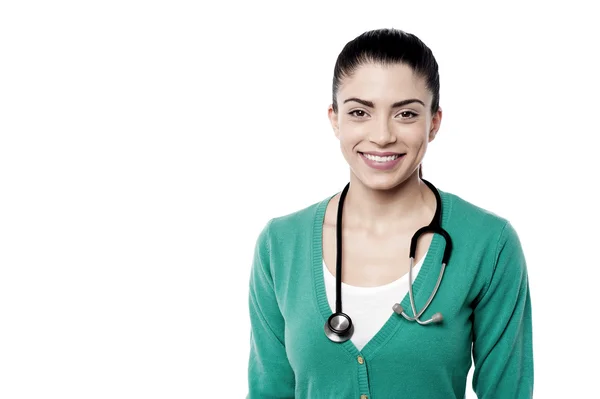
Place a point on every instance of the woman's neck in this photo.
(384, 211)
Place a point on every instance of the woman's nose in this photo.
(382, 134)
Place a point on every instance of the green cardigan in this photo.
(484, 298)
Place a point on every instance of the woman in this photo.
(405, 325)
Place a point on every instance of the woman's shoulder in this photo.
(307, 213)
(298, 222)
(476, 226)
(471, 215)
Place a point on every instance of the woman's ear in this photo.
(436, 121)
(333, 119)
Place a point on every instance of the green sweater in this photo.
(484, 298)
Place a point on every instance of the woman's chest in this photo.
(369, 260)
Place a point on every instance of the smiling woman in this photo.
(426, 279)
(377, 120)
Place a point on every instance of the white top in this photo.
(368, 307)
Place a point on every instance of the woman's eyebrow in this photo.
(394, 105)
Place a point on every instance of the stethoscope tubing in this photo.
(338, 334)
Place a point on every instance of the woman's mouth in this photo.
(385, 161)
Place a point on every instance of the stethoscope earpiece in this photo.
(399, 310)
(339, 327)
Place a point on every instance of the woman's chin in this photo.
(382, 182)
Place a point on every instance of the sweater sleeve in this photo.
(502, 341)
(269, 372)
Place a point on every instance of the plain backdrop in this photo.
(144, 145)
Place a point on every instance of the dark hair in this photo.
(388, 46)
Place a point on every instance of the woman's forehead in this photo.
(384, 83)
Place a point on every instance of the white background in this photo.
(143, 146)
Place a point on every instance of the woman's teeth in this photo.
(381, 159)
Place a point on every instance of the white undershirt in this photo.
(368, 307)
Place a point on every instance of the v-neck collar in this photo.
(427, 277)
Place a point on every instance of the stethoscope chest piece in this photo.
(339, 327)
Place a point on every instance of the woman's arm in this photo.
(502, 344)
(269, 372)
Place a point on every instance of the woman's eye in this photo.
(359, 113)
(407, 114)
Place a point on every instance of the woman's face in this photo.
(384, 110)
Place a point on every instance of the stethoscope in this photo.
(339, 327)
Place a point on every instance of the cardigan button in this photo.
(364, 397)
(361, 361)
